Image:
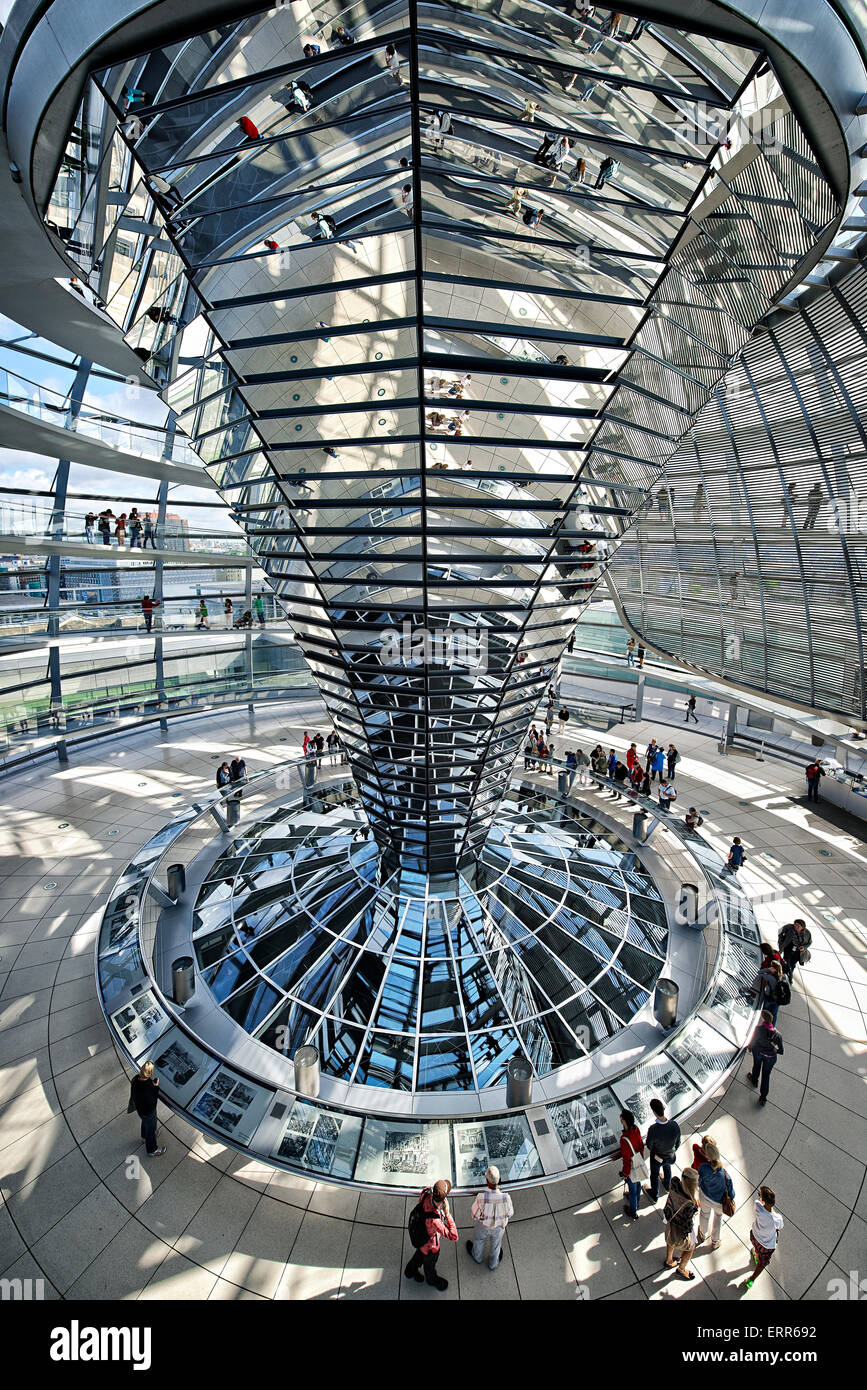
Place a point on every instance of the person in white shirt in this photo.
(765, 1230)
(492, 1211)
(667, 794)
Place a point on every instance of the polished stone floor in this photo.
(204, 1222)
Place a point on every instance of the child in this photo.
(765, 1230)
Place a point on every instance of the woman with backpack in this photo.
(633, 1168)
(716, 1193)
(430, 1222)
(772, 989)
(681, 1221)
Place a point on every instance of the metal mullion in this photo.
(272, 296)
(552, 291)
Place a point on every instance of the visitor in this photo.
(259, 609)
(631, 757)
(333, 742)
(148, 532)
(430, 1223)
(794, 941)
(528, 115)
(641, 655)
(621, 776)
(148, 605)
(562, 719)
(737, 856)
(224, 777)
(765, 1231)
(342, 36)
(767, 987)
(228, 610)
(681, 1218)
(89, 522)
(766, 1045)
(657, 763)
(672, 758)
(607, 170)
(690, 710)
(667, 795)
(135, 530)
(492, 1212)
(630, 652)
(143, 1096)
(572, 767)
(238, 775)
(392, 62)
(120, 530)
(813, 771)
(715, 1186)
(311, 50)
(529, 754)
(204, 620)
(632, 1166)
(692, 820)
(663, 1138)
(814, 502)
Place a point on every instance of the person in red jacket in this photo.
(631, 1143)
(248, 128)
(439, 1226)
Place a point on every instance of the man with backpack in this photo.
(430, 1221)
(794, 941)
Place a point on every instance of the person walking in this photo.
(672, 758)
(794, 942)
(392, 62)
(716, 1194)
(228, 610)
(633, 1168)
(787, 502)
(430, 1222)
(259, 609)
(529, 753)
(663, 1138)
(223, 777)
(204, 621)
(528, 115)
(766, 1045)
(814, 502)
(699, 502)
(333, 742)
(517, 198)
(737, 856)
(562, 719)
(690, 710)
(492, 1212)
(813, 772)
(772, 989)
(143, 1096)
(148, 605)
(681, 1222)
(765, 1231)
(667, 795)
(607, 170)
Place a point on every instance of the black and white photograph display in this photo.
(586, 1127)
(232, 1104)
(140, 1022)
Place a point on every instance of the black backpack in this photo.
(784, 992)
(417, 1224)
(680, 1217)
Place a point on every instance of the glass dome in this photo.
(547, 954)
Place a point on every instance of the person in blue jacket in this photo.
(713, 1183)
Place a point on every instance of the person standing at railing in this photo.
(228, 610)
(134, 530)
(149, 532)
(88, 527)
(204, 621)
(104, 527)
(259, 609)
(120, 531)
